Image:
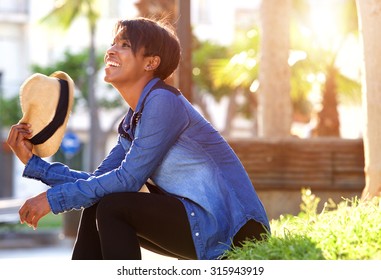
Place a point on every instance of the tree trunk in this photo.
(97, 138)
(275, 108)
(183, 75)
(197, 99)
(369, 24)
(328, 117)
(231, 113)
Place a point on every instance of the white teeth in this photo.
(112, 63)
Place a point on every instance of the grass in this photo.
(50, 221)
(349, 230)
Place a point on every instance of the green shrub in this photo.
(349, 230)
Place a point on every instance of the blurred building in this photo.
(14, 60)
(24, 40)
(217, 20)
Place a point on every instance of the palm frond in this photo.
(65, 12)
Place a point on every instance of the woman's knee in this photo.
(107, 207)
(115, 206)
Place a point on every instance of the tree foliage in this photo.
(76, 65)
(10, 111)
(66, 12)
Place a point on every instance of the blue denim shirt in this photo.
(179, 151)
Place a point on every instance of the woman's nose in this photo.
(110, 50)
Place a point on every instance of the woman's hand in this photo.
(34, 209)
(18, 141)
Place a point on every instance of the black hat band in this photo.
(59, 117)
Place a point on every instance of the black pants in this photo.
(121, 223)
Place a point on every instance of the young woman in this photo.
(201, 200)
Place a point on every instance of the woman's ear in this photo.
(153, 63)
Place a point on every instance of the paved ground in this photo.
(58, 252)
(62, 250)
(37, 244)
(46, 246)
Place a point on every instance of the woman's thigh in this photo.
(160, 221)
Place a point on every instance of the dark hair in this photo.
(157, 38)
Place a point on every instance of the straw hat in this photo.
(46, 103)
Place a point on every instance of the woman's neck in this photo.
(131, 92)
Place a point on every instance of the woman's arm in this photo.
(163, 120)
(57, 173)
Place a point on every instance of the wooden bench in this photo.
(280, 168)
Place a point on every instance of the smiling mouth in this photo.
(112, 64)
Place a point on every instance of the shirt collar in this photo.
(145, 91)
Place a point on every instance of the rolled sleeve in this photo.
(56, 201)
(35, 168)
(77, 195)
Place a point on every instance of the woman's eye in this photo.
(122, 44)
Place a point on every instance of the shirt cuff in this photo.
(35, 168)
(56, 200)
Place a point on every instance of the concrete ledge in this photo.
(9, 210)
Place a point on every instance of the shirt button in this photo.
(197, 234)
(192, 214)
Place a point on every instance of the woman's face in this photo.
(122, 66)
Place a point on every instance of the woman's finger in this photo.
(18, 141)
(17, 133)
(23, 213)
